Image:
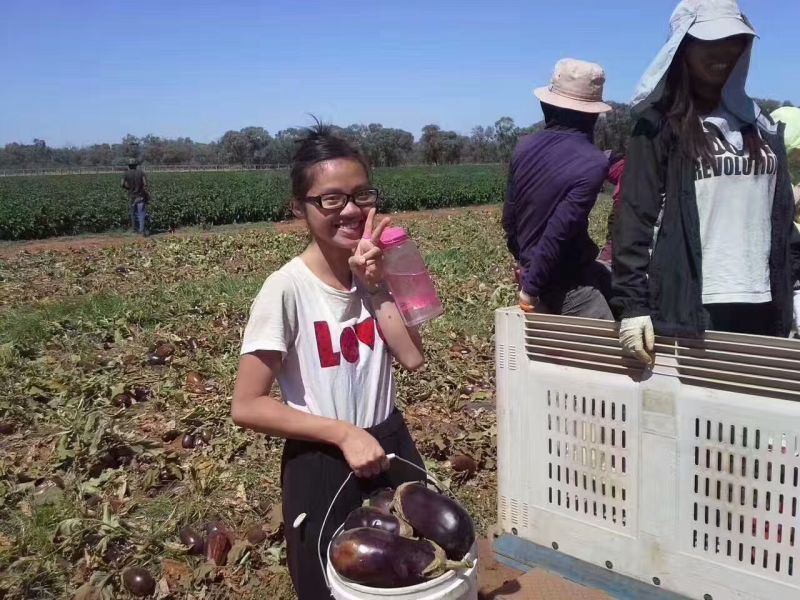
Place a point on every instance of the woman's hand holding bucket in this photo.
(363, 453)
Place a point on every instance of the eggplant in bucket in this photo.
(368, 516)
(367, 557)
(377, 558)
(382, 499)
(435, 517)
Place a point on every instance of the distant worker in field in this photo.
(135, 181)
(703, 236)
(554, 179)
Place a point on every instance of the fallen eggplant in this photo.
(435, 517)
(192, 539)
(138, 581)
(377, 558)
(381, 499)
(369, 516)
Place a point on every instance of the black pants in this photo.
(755, 319)
(583, 294)
(311, 474)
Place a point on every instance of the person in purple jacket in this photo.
(554, 179)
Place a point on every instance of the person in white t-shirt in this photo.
(325, 327)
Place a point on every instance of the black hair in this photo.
(679, 108)
(317, 145)
(555, 116)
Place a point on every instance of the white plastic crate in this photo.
(686, 476)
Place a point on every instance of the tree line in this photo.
(383, 146)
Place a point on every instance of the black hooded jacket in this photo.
(668, 285)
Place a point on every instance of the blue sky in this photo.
(90, 71)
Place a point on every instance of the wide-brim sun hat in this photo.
(576, 85)
(705, 20)
(719, 19)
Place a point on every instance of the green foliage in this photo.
(415, 188)
(794, 165)
(383, 146)
(769, 105)
(37, 207)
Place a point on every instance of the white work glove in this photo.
(638, 338)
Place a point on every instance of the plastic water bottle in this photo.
(408, 279)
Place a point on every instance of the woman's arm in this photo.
(635, 222)
(367, 266)
(404, 342)
(570, 217)
(254, 408)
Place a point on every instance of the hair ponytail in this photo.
(755, 145)
(319, 144)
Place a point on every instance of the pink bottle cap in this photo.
(392, 236)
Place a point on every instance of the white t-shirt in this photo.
(335, 361)
(734, 200)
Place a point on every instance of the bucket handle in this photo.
(391, 456)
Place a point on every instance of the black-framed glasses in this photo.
(337, 201)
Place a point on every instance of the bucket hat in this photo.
(576, 85)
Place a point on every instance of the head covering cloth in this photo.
(707, 20)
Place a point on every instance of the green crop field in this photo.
(38, 207)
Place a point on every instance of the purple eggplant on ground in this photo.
(192, 539)
(435, 517)
(377, 558)
(369, 516)
(138, 581)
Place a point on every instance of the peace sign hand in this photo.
(367, 260)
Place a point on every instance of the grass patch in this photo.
(28, 328)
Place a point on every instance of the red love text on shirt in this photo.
(349, 339)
